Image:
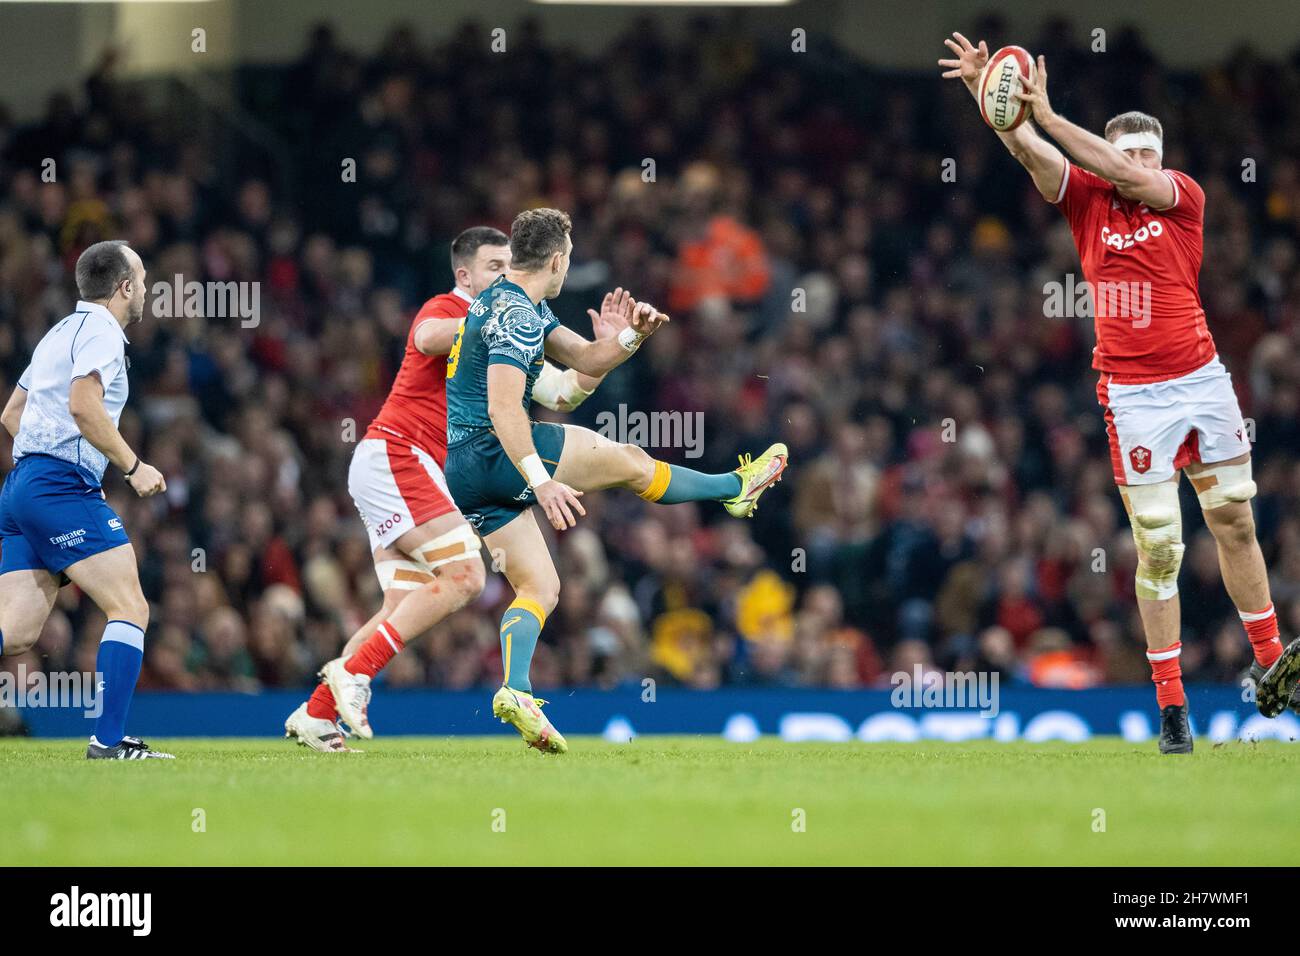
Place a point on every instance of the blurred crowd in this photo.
(949, 503)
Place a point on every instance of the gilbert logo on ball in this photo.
(1001, 78)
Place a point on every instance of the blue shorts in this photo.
(52, 515)
(485, 484)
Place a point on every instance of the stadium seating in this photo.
(949, 501)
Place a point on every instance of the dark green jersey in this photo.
(503, 325)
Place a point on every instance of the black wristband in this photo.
(134, 467)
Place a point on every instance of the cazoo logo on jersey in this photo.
(1153, 228)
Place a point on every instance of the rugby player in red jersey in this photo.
(426, 554)
(1168, 400)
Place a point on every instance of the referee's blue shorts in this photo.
(53, 515)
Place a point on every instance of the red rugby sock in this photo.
(1167, 673)
(321, 703)
(1265, 638)
(379, 648)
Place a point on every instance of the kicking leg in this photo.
(112, 581)
(1224, 490)
(592, 462)
(527, 565)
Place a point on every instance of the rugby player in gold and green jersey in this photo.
(499, 462)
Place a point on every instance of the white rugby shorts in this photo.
(396, 486)
(1158, 428)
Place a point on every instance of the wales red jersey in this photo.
(416, 408)
(1142, 266)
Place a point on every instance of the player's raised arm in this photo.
(605, 324)
(1043, 161)
(1133, 179)
(597, 359)
(505, 387)
(564, 390)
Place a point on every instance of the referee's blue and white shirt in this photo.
(89, 340)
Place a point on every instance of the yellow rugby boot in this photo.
(524, 711)
(756, 477)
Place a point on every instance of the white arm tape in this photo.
(630, 339)
(534, 471)
(559, 391)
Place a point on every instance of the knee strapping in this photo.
(401, 575)
(408, 574)
(1224, 485)
(1158, 533)
(458, 544)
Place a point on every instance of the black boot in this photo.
(130, 748)
(1276, 688)
(1175, 733)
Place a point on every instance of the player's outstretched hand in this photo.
(645, 318)
(969, 62)
(147, 481)
(1035, 94)
(559, 501)
(615, 311)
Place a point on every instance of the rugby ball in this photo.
(1001, 77)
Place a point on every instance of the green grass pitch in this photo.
(666, 800)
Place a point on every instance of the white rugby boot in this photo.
(351, 695)
(317, 733)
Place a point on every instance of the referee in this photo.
(55, 525)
